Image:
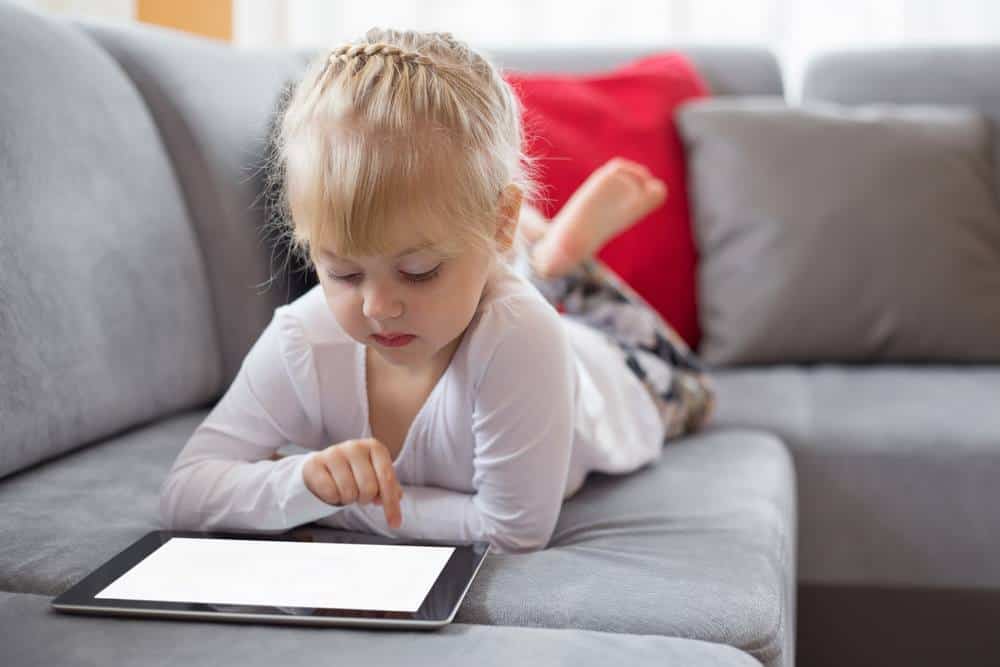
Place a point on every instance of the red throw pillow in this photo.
(576, 123)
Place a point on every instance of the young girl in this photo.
(430, 374)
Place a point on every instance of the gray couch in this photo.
(132, 273)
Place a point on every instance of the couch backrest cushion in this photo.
(214, 104)
(832, 233)
(945, 75)
(728, 70)
(105, 317)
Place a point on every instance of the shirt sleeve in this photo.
(429, 513)
(223, 478)
(523, 426)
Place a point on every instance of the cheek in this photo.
(462, 299)
(342, 304)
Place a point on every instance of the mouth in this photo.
(395, 340)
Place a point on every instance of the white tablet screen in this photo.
(284, 574)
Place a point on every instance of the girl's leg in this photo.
(615, 196)
(592, 293)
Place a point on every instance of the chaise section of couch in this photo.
(897, 463)
(131, 272)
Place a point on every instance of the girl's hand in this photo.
(355, 471)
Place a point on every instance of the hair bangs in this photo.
(356, 191)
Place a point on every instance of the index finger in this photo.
(389, 489)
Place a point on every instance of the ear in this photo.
(509, 213)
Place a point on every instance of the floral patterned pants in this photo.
(672, 374)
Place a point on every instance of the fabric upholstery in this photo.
(942, 432)
(575, 123)
(699, 545)
(831, 233)
(728, 70)
(35, 634)
(105, 321)
(953, 75)
(213, 105)
(897, 468)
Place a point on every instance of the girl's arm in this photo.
(523, 425)
(429, 513)
(223, 479)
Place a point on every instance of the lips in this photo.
(398, 340)
(391, 336)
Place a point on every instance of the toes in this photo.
(632, 178)
(623, 162)
(657, 189)
(638, 174)
(616, 162)
(630, 166)
(640, 170)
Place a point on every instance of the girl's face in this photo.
(410, 290)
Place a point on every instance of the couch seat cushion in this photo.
(105, 315)
(698, 545)
(897, 466)
(47, 637)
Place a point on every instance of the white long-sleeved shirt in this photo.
(531, 402)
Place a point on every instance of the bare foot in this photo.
(616, 195)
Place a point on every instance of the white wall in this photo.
(115, 9)
(793, 29)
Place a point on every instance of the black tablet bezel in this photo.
(438, 608)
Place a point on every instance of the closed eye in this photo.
(354, 278)
(421, 277)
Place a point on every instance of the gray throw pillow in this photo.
(829, 233)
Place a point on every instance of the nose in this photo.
(380, 303)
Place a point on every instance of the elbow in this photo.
(518, 530)
(506, 544)
(179, 511)
(518, 539)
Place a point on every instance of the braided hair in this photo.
(399, 127)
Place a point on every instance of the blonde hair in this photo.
(400, 127)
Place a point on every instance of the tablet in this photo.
(307, 576)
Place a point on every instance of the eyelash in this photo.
(410, 278)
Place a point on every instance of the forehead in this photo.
(391, 237)
(395, 253)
